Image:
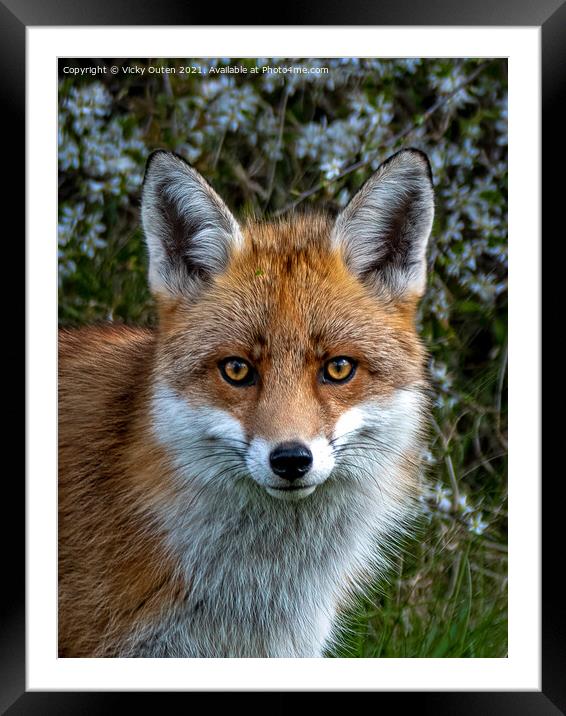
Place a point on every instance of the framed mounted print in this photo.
(289, 439)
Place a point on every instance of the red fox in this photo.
(230, 480)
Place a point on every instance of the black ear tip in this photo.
(156, 153)
(151, 159)
(165, 153)
(423, 158)
(414, 153)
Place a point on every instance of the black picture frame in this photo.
(15, 16)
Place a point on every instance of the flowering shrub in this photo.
(273, 142)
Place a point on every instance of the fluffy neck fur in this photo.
(262, 577)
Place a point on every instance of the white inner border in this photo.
(521, 670)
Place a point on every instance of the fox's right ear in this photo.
(189, 230)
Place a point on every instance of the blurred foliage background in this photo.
(272, 142)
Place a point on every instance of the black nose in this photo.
(290, 460)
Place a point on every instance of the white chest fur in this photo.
(265, 580)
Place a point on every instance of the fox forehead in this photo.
(288, 291)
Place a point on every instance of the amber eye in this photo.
(237, 371)
(339, 370)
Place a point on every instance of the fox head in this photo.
(287, 359)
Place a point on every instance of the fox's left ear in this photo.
(383, 232)
(189, 231)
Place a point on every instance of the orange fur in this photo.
(111, 567)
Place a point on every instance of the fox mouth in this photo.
(290, 492)
(291, 487)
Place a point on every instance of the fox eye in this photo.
(237, 371)
(338, 370)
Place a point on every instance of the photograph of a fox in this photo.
(282, 357)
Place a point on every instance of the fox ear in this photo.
(189, 231)
(383, 231)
